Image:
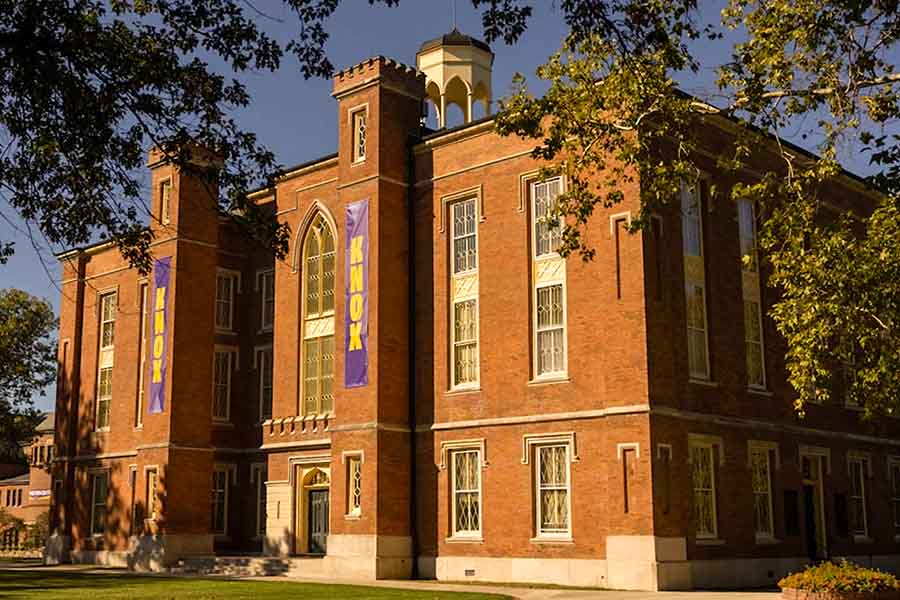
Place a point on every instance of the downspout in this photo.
(411, 376)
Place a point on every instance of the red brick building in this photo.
(25, 492)
(423, 386)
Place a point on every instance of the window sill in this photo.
(101, 431)
(544, 539)
(353, 517)
(759, 391)
(549, 380)
(357, 162)
(767, 540)
(459, 390)
(862, 539)
(223, 424)
(709, 542)
(264, 331)
(226, 331)
(703, 382)
(464, 540)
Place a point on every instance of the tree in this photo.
(614, 113)
(88, 85)
(27, 366)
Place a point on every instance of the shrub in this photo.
(840, 577)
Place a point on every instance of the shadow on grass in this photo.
(50, 584)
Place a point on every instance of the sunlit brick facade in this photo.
(514, 415)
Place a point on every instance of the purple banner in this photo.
(159, 320)
(356, 320)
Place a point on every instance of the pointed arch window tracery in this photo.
(317, 329)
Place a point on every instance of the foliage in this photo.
(613, 115)
(840, 577)
(38, 532)
(27, 365)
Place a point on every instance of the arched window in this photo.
(318, 318)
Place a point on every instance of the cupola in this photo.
(457, 70)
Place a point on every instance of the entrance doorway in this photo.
(311, 509)
(318, 521)
(814, 508)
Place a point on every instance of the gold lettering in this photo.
(355, 336)
(356, 307)
(157, 371)
(356, 254)
(356, 278)
(159, 322)
(160, 298)
(158, 346)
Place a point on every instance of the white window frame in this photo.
(144, 317)
(557, 374)
(232, 353)
(94, 504)
(260, 353)
(764, 451)
(317, 327)
(258, 473)
(165, 201)
(228, 471)
(456, 533)
(354, 460)
(235, 277)
(357, 157)
(464, 288)
(151, 492)
(533, 185)
(473, 201)
(710, 448)
(264, 300)
(105, 356)
(540, 533)
(865, 465)
(689, 282)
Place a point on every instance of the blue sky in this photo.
(297, 118)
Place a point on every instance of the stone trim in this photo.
(479, 444)
(545, 418)
(530, 440)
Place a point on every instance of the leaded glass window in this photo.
(747, 231)
(552, 464)
(105, 358)
(100, 490)
(858, 523)
(691, 221)
(895, 493)
(360, 123)
(318, 318)
(551, 352)
(222, 365)
(702, 467)
(264, 358)
(762, 492)
(547, 227)
(698, 357)
(465, 341)
(753, 344)
(267, 299)
(465, 243)
(354, 485)
(165, 199)
(466, 477)
(219, 501)
(225, 288)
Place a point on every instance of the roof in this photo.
(48, 424)
(454, 38)
(17, 480)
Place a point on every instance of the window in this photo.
(354, 485)
(49, 454)
(858, 467)
(40, 455)
(267, 299)
(695, 281)
(222, 367)
(760, 471)
(752, 293)
(359, 120)
(547, 234)
(142, 361)
(464, 294)
(165, 199)
(466, 481)
(220, 501)
(151, 495)
(258, 478)
(99, 491)
(552, 469)
(895, 493)
(318, 318)
(703, 465)
(225, 288)
(264, 366)
(105, 359)
(550, 349)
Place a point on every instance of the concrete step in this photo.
(234, 566)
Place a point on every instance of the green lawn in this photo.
(67, 585)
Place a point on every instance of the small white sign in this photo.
(39, 493)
